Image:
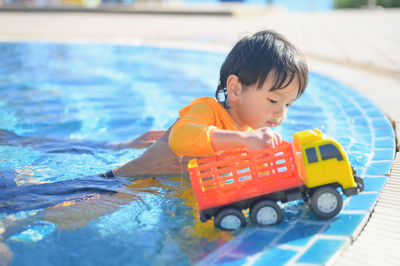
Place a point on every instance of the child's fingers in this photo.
(278, 137)
(273, 139)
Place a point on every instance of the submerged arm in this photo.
(157, 160)
(143, 141)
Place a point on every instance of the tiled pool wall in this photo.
(302, 238)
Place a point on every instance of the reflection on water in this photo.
(162, 206)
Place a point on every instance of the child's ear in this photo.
(233, 87)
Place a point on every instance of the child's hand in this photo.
(261, 138)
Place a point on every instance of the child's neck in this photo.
(236, 119)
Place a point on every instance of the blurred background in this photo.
(294, 5)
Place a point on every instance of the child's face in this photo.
(261, 107)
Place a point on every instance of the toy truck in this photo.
(314, 168)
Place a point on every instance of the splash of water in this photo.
(181, 169)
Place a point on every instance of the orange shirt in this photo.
(190, 136)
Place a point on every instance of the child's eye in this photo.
(272, 101)
(288, 105)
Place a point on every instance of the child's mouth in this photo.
(270, 124)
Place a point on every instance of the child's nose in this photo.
(278, 117)
(279, 113)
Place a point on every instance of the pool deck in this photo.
(359, 48)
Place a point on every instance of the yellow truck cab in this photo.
(323, 167)
(321, 160)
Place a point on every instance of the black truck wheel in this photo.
(266, 212)
(229, 219)
(326, 202)
(360, 184)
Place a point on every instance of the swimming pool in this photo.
(61, 102)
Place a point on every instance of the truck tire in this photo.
(229, 219)
(360, 183)
(326, 202)
(266, 212)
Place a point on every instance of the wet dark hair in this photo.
(254, 57)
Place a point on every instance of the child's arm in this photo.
(222, 140)
(143, 141)
(160, 160)
(194, 135)
(157, 160)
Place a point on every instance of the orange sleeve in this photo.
(190, 136)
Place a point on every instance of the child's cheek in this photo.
(257, 117)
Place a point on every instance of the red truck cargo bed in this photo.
(239, 175)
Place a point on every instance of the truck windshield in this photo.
(329, 151)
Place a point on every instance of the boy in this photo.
(259, 80)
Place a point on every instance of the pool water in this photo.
(60, 104)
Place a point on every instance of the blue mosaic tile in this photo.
(230, 262)
(284, 224)
(362, 129)
(344, 141)
(371, 107)
(379, 168)
(351, 92)
(365, 138)
(384, 143)
(360, 147)
(247, 246)
(322, 250)
(374, 183)
(340, 116)
(352, 109)
(345, 224)
(238, 250)
(300, 234)
(358, 159)
(384, 132)
(365, 103)
(345, 103)
(275, 256)
(344, 129)
(354, 112)
(363, 202)
(384, 154)
(376, 113)
(362, 121)
(378, 123)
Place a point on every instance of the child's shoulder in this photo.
(201, 103)
(205, 100)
